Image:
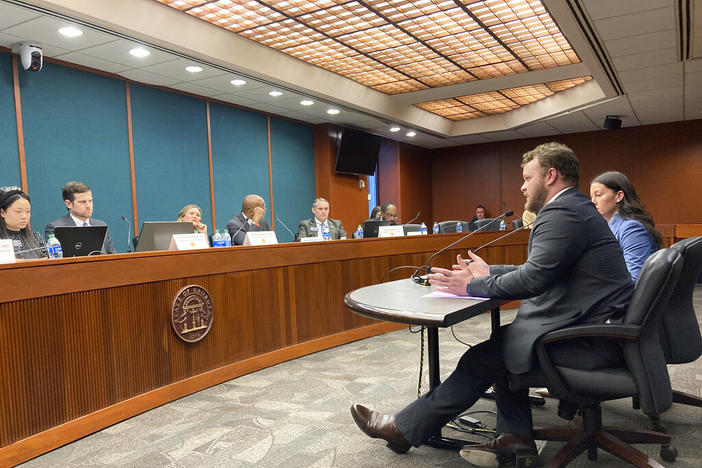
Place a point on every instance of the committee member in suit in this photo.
(251, 218)
(616, 199)
(15, 212)
(79, 202)
(574, 273)
(313, 227)
(388, 212)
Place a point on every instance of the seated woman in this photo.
(617, 201)
(193, 214)
(15, 211)
(375, 214)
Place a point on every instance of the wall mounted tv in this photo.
(358, 152)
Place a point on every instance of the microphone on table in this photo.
(286, 228)
(239, 230)
(414, 219)
(503, 215)
(129, 236)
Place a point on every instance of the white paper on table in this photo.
(445, 295)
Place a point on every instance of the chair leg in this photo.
(624, 451)
(686, 399)
(558, 433)
(571, 450)
(638, 437)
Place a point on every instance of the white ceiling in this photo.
(639, 38)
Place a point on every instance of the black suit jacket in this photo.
(308, 228)
(575, 273)
(234, 226)
(107, 245)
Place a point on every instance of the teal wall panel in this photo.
(171, 163)
(75, 128)
(292, 161)
(9, 157)
(239, 159)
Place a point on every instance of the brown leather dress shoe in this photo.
(380, 426)
(505, 450)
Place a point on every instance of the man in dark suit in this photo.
(251, 218)
(314, 227)
(575, 273)
(79, 202)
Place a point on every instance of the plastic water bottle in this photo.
(459, 227)
(423, 229)
(503, 225)
(435, 229)
(359, 232)
(217, 240)
(326, 235)
(226, 238)
(53, 246)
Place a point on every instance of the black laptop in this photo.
(371, 226)
(80, 241)
(156, 235)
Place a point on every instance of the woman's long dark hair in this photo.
(5, 202)
(631, 206)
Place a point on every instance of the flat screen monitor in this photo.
(370, 227)
(156, 235)
(80, 241)
(358, 152)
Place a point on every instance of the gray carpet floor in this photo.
(296, 414)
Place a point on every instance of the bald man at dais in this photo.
(251, 218)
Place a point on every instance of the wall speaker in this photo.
(612, 122)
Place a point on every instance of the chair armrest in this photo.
(606, 330)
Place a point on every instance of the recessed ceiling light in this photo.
(333, 111)
(395, 128)
(139, 52)
(193, 69)
(411, 133)
(238, 82)
(307, 102)
(70, 31)
(275, 93)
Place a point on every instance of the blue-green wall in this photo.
(75, 128)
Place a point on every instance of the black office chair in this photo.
(491, 224)
(450, 226)
(411, 228)
(644, 372)
(517, 224)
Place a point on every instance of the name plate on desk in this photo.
(391, 231)
(189, 242)
(7, 252)
(260, 238)
(310, 239)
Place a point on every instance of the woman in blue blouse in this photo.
(632, 225)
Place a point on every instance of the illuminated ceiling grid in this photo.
(411, 45)
(497, 102)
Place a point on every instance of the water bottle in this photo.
(226, 238)
(53, 246)
(423, 229)
(435, 229)
(359, 232)
(326, 235)
(459, 227)
(217, 240)
(503, 225)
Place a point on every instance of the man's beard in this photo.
(537, 200)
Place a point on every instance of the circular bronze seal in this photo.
(192, 313)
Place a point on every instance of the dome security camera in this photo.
(31, 55)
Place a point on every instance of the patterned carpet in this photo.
(296, 414)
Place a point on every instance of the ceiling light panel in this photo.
(410, 45)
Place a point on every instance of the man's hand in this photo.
(258, 214)
(477, 266)
(462, 273)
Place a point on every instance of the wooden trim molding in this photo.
(18, 121)
(209, 159)
(132, 176)
(270, 173)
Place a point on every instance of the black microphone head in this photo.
(509, 213)
(124, 218)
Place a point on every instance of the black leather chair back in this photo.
(680, 331)
(411, 228)
(450, 226)
(491, 224)
(517, 223)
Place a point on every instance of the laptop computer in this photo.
(156, 235)
(79, 241)
(370, 227)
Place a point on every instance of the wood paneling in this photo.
(663, 161)
(94, 345)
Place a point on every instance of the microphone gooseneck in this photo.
(129, 229)
(239, 230)
(414, 219)
(286, 228)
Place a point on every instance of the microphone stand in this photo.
(129, 233)
(413, 219)
(286, 228)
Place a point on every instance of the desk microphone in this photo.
(129, 230)
(246, 221)
(413, 219)
(286, 228)
(505, 214)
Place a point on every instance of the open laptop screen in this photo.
(156, 235)
(79, 241)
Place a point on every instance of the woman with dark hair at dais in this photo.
(15, 212)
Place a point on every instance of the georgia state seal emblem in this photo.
(192, 313)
